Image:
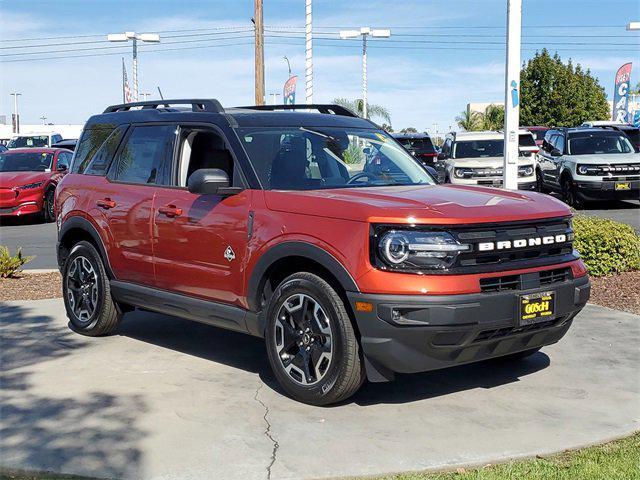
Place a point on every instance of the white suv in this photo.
(476, 158)
(34, 140)
(589, 164)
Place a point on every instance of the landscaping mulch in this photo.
(620, 292)
(31, 286)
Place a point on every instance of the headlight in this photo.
(525, 171)
(418, 250)
(29, 186)
(462, 172)
(591, 169)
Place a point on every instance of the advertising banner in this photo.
(621, 93)
(289, 91)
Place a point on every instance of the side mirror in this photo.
(210, 181)
(62, 168)
(432, 171)
(442, 156)
(556, 153)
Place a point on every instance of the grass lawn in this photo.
(619, 460)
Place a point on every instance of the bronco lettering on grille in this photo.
(523, 242)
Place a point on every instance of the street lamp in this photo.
(134, 37)
(364, 32)
(633, 26)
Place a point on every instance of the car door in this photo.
(126, 198)
(547, 164)
(557, 160)
(200, 241)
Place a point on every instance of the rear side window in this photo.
(91, 140)
(144, 156)
(100, 162)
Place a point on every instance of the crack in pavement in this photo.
(267, 432)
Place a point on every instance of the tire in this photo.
(540, 183)
(514, 357)
(48, 211)
(87, 295)
(308, 325)
(570, 194)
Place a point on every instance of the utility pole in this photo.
(259, 47)
(134, 37)
(364, 32)
(16, 117)
(308, 67)
(512, 95)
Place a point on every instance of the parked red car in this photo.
(28, 179)
(538, 133)
(315, 231)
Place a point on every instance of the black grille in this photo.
(497, 333)
(525, 281)
(533, 254)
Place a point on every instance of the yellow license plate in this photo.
(623, 186)
(537, 307)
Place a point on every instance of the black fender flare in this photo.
(81, 223)
(295, 249)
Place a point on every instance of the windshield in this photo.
(526, 140)
(478, 149)
(37, 141)
(25, 162)
(599, 143)
(289, 158)
(417, 144)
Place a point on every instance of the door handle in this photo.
(106, 203)
(170, 211)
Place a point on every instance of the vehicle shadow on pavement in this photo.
(24, 220)
(44, 424)
(422, 386)
(248, 353)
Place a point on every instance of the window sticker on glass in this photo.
(381, 137)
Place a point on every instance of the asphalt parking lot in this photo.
(168, 398)
(39, 239)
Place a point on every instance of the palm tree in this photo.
(470, 121)
(357, 106)
(493, 118)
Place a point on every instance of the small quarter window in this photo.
(102, 159)
(92, 138)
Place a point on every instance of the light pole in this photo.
(286, 59)
(275, 96)
(145, 96)
(633, 26)
(512, 95)
(16, 118)
(134, 37)
(364, 32)
(44, 119)
(308, 47)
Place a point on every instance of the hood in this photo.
(611, 158)
(486, 162)
(433, 204)
(16, 179)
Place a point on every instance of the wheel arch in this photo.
(288, 257)
(74, 230)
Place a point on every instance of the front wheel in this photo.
(48, 211)
(87, 296)
(311, 343)
(570, 194)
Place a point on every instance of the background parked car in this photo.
(34, 140)
(538, 133)
(69, 144)
(28, 178)
(589, 163)
(419, 145)
(476, 158)
(631, 131)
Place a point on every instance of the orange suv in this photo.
(315, 230)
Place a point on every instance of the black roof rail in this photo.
(320, 107)
(197, 105)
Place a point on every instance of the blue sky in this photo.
(442, 53)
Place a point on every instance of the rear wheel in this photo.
(87, 296)
(311, 344)
(48, 212)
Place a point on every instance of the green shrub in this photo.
(9, 265)
(606, 246)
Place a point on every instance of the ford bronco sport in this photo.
(315, 231)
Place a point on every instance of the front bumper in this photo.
(493, 182)
(439, 331)
(25, 208)
(598, 190)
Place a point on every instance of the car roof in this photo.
(210, 111)
(483, 135)
(410, 135)
(33, 150)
